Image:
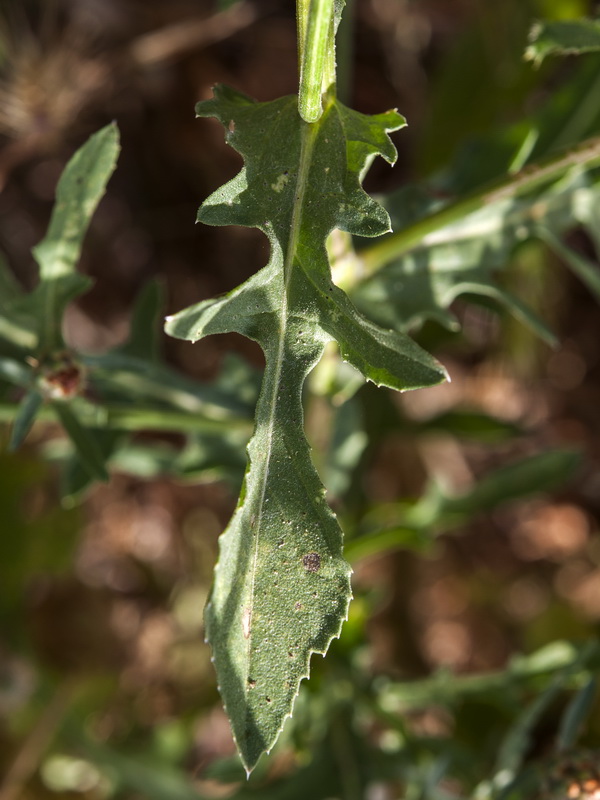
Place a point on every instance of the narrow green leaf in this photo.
(15, 326)
(346, 446)
(537, 473)
(282, 588)
(9, 286)
(79, 191)
(28, 409)
(76, 478)
(387, 541)
(88, 449)
(514, 747)
(467, 424)
(396, 527)
(516, 742)
(129, 378)
(142, 341)
(575, 714)
(586, 270)
(563, 37)
(14, 372)
(445, 688)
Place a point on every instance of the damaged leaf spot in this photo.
(280, 183)
(311, 562)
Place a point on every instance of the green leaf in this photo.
(14, 372)
(130, 379)
(396, 527)
(86, 446)
(347, 445)
(143, 333)
(586, 270)
(444, 688)
(516, 742)
(79, 191)
(15, 327)
(28, 409)
(575, 714)
(564, 37)
(282, 588)
(538, 473)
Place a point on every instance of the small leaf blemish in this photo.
(280, 183)
(311, 562)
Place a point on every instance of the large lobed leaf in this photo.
(282, 588)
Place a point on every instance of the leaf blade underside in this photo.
(282, 586)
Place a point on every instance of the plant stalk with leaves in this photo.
(282, 587)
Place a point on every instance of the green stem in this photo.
(586, 155)
(316, 55)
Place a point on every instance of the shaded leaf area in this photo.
(98, 398)
(564, 37)
(282, 587)
(467, 256)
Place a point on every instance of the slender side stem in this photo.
(316, 54)
(586, 155)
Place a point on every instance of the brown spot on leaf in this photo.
(312, 562)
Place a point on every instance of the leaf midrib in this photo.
(306, 149)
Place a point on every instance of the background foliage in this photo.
(467, 667)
